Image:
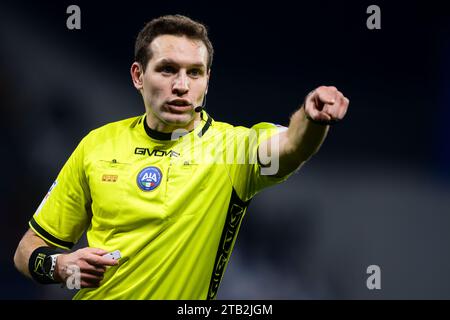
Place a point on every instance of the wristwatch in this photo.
(49, 265)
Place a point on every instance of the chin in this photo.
(177, 120)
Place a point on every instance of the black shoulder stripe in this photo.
(48, 236)
(205, 127)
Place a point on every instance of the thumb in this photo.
(312, 112)
(324, 97)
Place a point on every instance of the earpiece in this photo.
(200, 108)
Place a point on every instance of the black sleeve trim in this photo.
(48, 236)
(235, 213)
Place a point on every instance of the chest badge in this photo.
(149, 178)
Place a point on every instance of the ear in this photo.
(137, 75)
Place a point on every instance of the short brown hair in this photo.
(177, 25)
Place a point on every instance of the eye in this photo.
(167, 69)
(195, 72)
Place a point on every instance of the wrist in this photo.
(50, 265)
(59, 268)
(42, 264)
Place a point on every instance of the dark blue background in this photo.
(376, 193)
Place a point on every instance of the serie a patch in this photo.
(46, 197)
(149, 178)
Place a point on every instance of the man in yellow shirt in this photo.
(168, 189)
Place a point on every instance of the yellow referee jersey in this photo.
(173, 207)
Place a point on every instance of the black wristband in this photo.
(36, 263)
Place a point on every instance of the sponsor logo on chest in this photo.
(155, 152)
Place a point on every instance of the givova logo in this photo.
(149, 178)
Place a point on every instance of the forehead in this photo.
(179, 49)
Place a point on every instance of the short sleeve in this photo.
(247, 174)
(63, 214)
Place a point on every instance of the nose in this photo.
(181, 84)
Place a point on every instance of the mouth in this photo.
(179, 105)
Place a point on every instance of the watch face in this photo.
(47, 265)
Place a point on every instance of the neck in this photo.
(157, 125)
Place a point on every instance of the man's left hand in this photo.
(326, 105)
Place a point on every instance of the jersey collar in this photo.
(163, 136)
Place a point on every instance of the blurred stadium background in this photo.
(377, 193)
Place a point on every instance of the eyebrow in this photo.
(170, 61)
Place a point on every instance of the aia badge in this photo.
(149, 178)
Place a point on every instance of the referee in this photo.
(168, 189)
